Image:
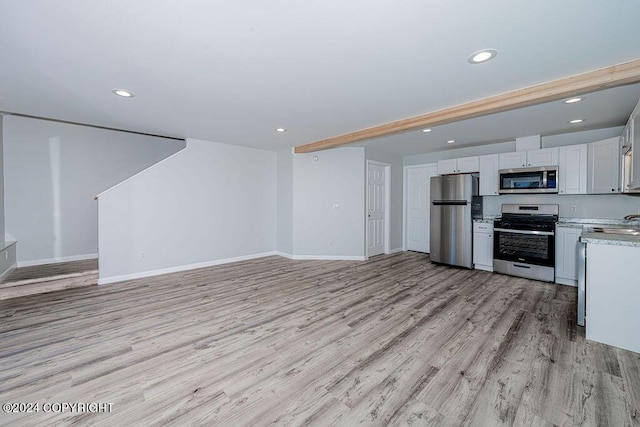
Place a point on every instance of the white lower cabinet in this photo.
(612, 295)
(567, 255)
(483, 245)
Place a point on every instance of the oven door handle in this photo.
(533, 232)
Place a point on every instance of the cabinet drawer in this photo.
(482, 227)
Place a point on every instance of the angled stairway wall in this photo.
(53, 170)
(207, 204)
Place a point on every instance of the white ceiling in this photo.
(232, 71)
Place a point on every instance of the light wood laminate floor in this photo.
(51, 270)
(394, 340)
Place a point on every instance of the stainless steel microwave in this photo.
(529, 180)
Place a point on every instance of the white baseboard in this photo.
(329, 257)
(143, 274)
(321, 257)
(56, 260)
(284, 254)
(395, 251)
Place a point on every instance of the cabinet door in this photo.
(544, 157)
(634, 135)
(468, 164)
(514, 160)
(483, 251)
(446, 167)
(567, 255)
(488, 175)
(572, 169)
(604, 166)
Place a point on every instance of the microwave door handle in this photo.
(544, 179)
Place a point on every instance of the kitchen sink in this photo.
(622, 231)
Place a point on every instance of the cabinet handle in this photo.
(523, 165)
(613, 189)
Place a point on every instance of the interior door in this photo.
(375, 209)
(418, 197)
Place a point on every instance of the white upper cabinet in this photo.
(517, 159)
(468, 165)
(531, 158)
(572, 169)
(489, 175)
(543, 157)
(448, 166)
(604, 166)
(461, 165)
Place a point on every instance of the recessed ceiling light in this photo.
(426, 130)
(281, 130)
(451, 141)
(123, 93)
(574, 121)
(482, 56)
(572, 100)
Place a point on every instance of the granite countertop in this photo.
(588, 236)
(597, 221)
(610, 239)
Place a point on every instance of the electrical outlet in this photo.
(574, 209)
(257, 241)
(143, 255)
(329, 242)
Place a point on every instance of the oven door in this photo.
(525, 246)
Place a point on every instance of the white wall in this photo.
(549, 141)
(423, 159)
(2, 215)
(395, 213)
(337, 178)
(613, 206)
(285, 202)
(582, 137)
(53, 171)
(207, 204)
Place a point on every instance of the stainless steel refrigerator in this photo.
(454, 202)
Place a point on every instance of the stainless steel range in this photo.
(524, 241)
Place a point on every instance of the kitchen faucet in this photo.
(632, 216)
